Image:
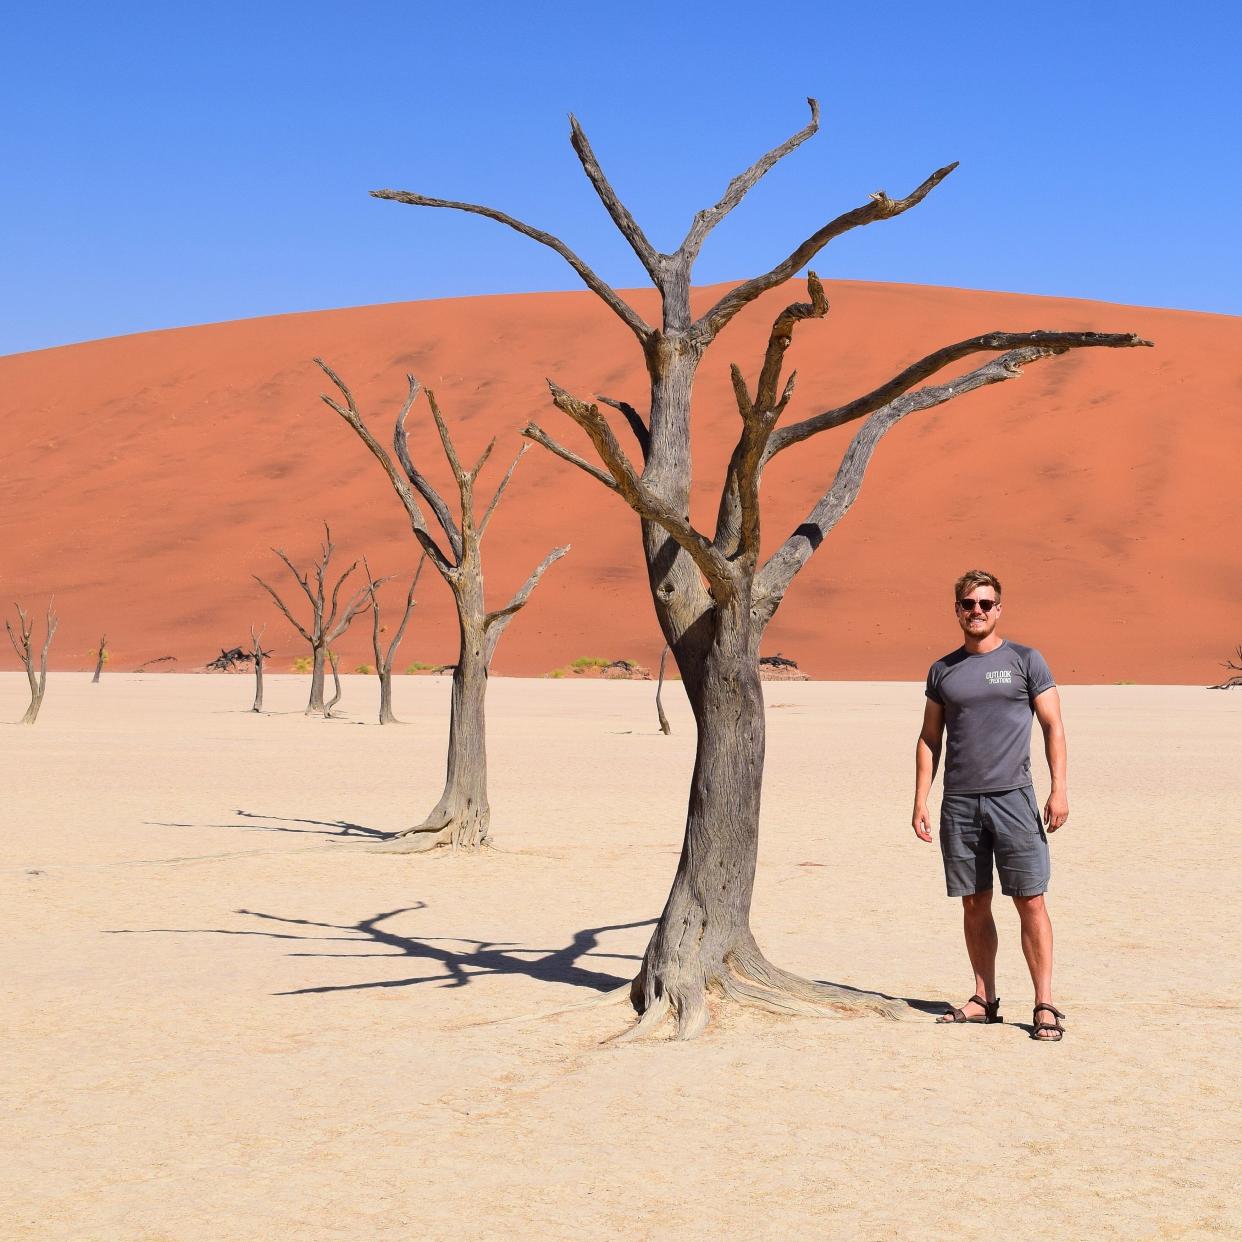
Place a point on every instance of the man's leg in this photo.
(1037, 949)
(979, 927)
(967, 851)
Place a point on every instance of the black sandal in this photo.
(986, 1018)
(1037, 1025)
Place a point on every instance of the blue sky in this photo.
(178, 164)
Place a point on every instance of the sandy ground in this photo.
(225, 1023)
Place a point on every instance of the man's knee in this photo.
(977, 905)
(1031, 907)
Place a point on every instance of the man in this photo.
(985, 693)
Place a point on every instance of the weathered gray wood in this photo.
(100, 656)
(665, 727)
(711, 597)
(257, 652)
(461, 819)
(328, 620)
(334, 661)
(22, 644)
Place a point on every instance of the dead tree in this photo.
(328, 622)
(258, 655)
(334, 661)
(100, 656)
(462, 817)
(384, 659)
(665, 727)
(713, 595)
(25, 652)
(1236, 673)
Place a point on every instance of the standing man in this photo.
(984, 693)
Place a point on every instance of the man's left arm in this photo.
(1048, 712)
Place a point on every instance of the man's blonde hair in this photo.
(975, 578)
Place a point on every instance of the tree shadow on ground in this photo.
(336, 828)
(459, 965)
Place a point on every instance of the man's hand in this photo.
(1056, 810)
(921, 823)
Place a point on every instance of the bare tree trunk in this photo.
(99, 661)
(462, 817)
(314, 706)
(665, 727)
(385, 704)
(256, 650)
(336, 683)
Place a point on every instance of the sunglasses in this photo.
(985, 605)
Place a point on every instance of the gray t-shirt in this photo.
(988, 702)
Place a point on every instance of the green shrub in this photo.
(419, 667)
(557, 672)
(585, 662)
(302, 664)
(365, 668)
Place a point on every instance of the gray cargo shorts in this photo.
(977, 827)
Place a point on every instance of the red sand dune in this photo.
(146, 478)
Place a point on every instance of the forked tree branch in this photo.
(881, 207)
(349, 412)
(707, 219)
(628, 227)
(280, 603)
(737, 520)
(600, 288)
(401, 446)
(775, 577)
(464, 477)
(495, 500)
(933, 362)
(714, 567)
(532, 431)
(494, 622)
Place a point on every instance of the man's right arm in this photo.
(926, 760)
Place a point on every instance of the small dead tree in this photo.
(384, 659)
(665, 727)
(258, 655)
(101, 657)
(713, 595)
(462, 817)
(25, 652)
(1235, 670)
(328, 621)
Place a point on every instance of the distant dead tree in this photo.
(258, 655)
(462, 817)
(384, 659)
(25, 652)
(328, 622)
(101, 657)
(665, 727)
(713, 595)
(1235, 669)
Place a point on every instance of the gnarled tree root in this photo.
(747, 978)
(465, 829)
